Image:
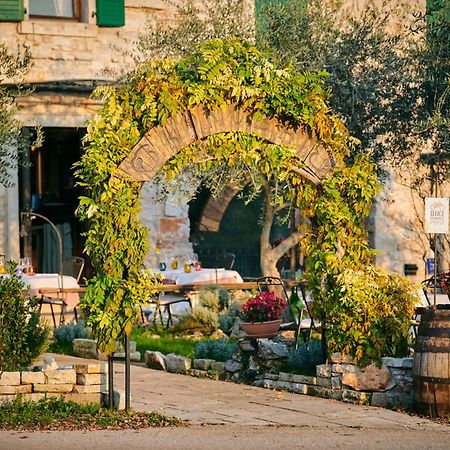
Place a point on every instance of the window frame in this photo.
(75, 18)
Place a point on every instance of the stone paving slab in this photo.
(204, 401)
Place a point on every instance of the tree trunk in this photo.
(270, 256)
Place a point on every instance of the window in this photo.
(62, 9)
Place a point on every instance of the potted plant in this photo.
(262, 315)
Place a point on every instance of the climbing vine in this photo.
(220, 73)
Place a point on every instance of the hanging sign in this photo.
(436, 215)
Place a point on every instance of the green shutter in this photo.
(110, 13)
(11, 10)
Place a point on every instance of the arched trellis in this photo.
(153, 122)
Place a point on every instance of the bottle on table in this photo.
(296, 305)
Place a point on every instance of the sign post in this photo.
(436, 221)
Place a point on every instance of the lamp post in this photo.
(30, 215)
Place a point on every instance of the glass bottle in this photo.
(296, 305)
(2, 264)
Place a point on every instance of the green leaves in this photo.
(217, 73)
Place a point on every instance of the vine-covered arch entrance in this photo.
(228, 105)
(161, 143)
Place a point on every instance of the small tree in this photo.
(12, 139)
(22, 337)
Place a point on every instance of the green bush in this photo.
(220, 350)
(227, 319)
(200, 319)
(306, 357)
(371, 317)
(67, 332)
(22, 337)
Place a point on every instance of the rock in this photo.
(60, 376)
(324, 382)
(246, 345)
(85, 379)
(271, 350)
(344, 368)
(33, 377)
(370, 378)
(89, 368)
(203, 364)
(398, 363)
(9, 378)
(363, 398)
(218, 365)
(323, 370)
(392, 399)
(177, 364)
(85, 348)
(236, 331)
(155, 360)
(49, 363)
(339, 358)
(232, 366)
(134, 356)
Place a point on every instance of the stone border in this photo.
(390, 386)
(81, 383)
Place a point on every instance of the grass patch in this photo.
(166, 342)
(56, 413)
(62, 348)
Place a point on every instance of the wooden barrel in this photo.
(431, 370)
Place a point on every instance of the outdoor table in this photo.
(41, 281)
(203, 276)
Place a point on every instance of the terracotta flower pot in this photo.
(261, 329)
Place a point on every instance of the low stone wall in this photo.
(81, 383)
(388, 386)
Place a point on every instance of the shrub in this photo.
(214, 297)
(371, 317)
(306, 357)
(22, 337)
(220, 350)
(200, 319)
(67, 332)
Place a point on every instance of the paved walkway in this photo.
(248, 411)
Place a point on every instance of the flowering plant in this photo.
(263, 307)
(444, 281)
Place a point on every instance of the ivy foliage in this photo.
(219, 73)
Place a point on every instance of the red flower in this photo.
(444, 281)
(263, 307)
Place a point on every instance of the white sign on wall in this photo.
(436, 215)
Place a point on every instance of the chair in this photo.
(51, 301)
(297, 323)
(226, 260)
(163, 304)
(73, 267)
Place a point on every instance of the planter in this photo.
(261, 329)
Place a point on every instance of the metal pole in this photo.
(110, 382)
(127, 372)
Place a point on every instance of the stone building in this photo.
(72, 43)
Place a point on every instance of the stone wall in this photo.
(389, 386)
(81, 383)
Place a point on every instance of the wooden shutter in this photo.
(110, 13)
(11, 10)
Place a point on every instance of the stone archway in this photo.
(159, 144)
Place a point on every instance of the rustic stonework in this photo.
(370, 378)
(161, 143)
